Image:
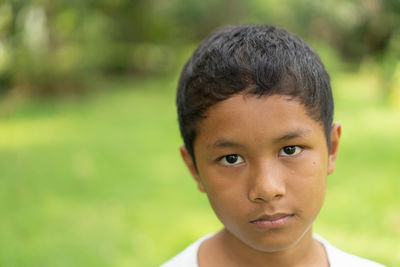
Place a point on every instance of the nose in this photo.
(266, 184)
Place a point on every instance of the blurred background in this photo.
(90, 173)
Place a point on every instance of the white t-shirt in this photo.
(336, 257)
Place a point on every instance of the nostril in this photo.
(266, 185)
(265, 197)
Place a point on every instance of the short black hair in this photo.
(255, 59)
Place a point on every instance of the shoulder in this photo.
(337, 257)
(188, 257)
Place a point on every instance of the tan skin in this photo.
(262, 156)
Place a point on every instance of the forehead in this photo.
(245, 116)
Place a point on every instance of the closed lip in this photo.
(272, 217)
(272, 220)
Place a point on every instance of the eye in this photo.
(290, 151)
(232, 159)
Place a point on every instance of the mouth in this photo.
(272, 221)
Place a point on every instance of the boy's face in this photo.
(263, 163)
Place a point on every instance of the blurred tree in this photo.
(50, 47)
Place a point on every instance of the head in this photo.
(255, 111)
(255, 59)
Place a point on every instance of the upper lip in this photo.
(271, 217)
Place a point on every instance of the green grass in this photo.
(98, 181)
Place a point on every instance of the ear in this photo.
(335, 137)
(187, 158)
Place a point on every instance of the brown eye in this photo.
(231, 159)
(290, 151)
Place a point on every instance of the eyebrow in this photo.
(291, 135)
(223, 143)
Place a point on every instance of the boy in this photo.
(255, 112)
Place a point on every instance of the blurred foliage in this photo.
(52, 47)
(86, 182)
(98, 181)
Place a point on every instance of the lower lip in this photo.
(267, 224)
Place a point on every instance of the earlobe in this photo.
(187, 158)
(335, 137)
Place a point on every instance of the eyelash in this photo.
(291, 155)
(220, 159)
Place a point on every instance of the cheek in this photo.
(226, 194)
(227, 209)
(308, 184)
(222, 183)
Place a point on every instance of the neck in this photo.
(305, 252)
